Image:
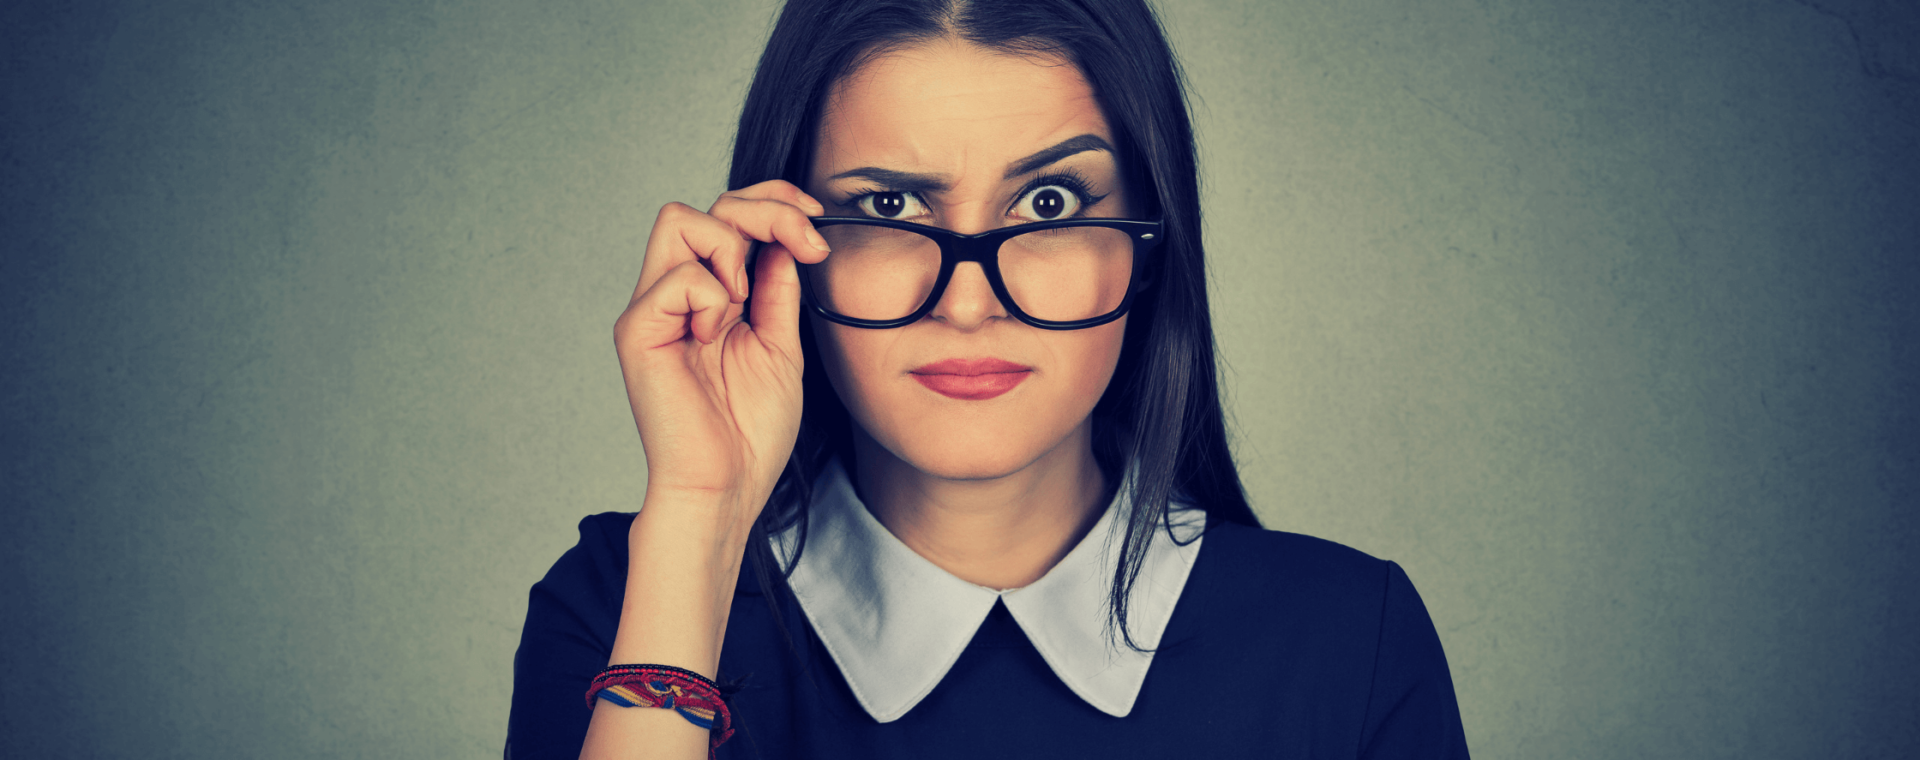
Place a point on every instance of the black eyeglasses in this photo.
(1066, 274)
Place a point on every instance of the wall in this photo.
(1593, 316)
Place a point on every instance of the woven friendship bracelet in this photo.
(690, 694)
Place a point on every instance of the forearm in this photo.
(683, 563)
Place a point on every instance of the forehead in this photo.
(952, 106)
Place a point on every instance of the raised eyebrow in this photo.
(898, 181)
(1064, 148)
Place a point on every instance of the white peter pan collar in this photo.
(895, 622)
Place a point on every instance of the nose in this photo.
(969, 300)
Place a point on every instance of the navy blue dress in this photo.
(1282, 645)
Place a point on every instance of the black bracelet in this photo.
(617, 669)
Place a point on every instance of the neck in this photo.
(1001, 532)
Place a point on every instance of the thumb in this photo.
(775, 305)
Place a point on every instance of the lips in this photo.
(971, 379)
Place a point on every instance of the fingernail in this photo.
(818, 209)
(813, 236)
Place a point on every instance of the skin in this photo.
(995, 491)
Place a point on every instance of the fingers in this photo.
(686, 299)
(776, 304)
(774, 211)
(778, 190)
(773, 221)
(682, 234)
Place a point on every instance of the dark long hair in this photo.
(1162, 410)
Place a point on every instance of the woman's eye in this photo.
(1047, 203)
(891, 205)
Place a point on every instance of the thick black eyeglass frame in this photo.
(984, 249)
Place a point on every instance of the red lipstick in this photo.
(971, 379)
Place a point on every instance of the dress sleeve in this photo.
(572, 615)
(1411, 711)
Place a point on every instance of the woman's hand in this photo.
(716, 398)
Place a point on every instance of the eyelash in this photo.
(1067, 178)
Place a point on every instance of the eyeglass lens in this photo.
(1060, 274)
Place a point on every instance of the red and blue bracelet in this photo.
(690, 694)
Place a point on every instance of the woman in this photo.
(979, 497)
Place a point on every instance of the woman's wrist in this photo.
(684, 555)
(720, 518)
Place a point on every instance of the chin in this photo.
(951, 461)
(989, 443)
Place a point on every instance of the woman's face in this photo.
(958, 136)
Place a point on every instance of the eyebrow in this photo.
(898, 181)
(1064, 148)
(909, 182)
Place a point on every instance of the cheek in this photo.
(969, 438)
(1099, 356)
(853, 359)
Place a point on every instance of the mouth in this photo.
(971, 379)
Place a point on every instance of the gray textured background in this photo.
(1594, 316)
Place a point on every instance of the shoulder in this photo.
(1316, 626)
(606, 532)
(573, 613)
(603, 539)
(1275, 580)
(595, 569)
(1270, 557)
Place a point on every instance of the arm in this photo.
(674, 611)
(1411, 712)
(717, 401)
(574, 617)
